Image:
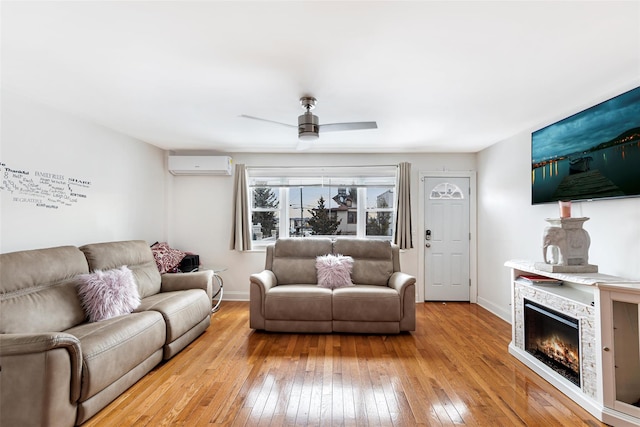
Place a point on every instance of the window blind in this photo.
(328, 176)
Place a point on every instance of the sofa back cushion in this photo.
(294, 259)
(372, 259)
(135, 254)
(38, 290)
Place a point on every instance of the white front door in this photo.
(447, 239)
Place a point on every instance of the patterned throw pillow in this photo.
(109, 293)
(167, 259)
(334, 271)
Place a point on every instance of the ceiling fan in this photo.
(308, 125)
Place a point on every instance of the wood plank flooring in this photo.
(453, 370)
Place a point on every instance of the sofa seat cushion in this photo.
(366, 303)
(298, 302)
(181, 310)
(111, 348)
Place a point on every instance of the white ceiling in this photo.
(437, 76)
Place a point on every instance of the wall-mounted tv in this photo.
(593, 154)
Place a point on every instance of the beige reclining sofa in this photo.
(285, 297)
(58, 369)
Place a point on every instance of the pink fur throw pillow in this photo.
(334, 271)
(109, 293)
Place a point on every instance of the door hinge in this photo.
(469, 282)
(469, 236)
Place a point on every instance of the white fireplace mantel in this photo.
(592, 299)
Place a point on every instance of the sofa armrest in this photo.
(184, 281)
(399, 281)
(265, 280)
(259, 284)
(405, 284)
(20, 352)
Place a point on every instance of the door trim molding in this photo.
(473, 244)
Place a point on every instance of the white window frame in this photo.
(391, 209)
(361, 213)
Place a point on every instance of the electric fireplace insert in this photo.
(554, 339)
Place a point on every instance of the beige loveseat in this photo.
(57, 369)
(285, 297)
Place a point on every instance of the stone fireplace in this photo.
(581, 372)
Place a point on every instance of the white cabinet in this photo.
(619, 319)
(608, 309)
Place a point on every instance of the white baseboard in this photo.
(235, 296)
(495, 309)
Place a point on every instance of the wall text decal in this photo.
(42, 189)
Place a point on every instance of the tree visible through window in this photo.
(322, 222)
(265, 210)
(379, 224)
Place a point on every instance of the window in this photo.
(446, 190)
(380, 202)
(352, 218)
(265, 214)
(302, 202)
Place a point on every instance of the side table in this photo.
(217, 293)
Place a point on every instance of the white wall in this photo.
(201, 212)
(126, 196)
(509, 227)
(131, 196)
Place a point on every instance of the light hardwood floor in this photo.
(453, 370)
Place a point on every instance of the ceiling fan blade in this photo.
(267, 120)
(333, 127)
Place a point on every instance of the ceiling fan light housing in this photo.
(308, 127)
(308, 102)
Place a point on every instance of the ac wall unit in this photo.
(200, 165)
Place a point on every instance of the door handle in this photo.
(428, 244)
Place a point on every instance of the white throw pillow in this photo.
(334, 271)
(110, 293)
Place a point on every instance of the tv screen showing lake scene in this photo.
(591, 155)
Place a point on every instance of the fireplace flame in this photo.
(557, 349)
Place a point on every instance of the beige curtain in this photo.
(402, 234)
(241, 229)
